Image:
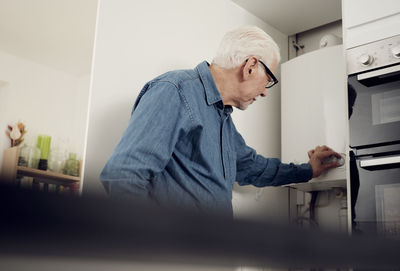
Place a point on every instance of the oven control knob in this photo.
(396, 51)
(366, 59)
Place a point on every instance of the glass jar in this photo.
(72, 165)
(57, 159)
(34, 157)
(29, 156)
(23, 156)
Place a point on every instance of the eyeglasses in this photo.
(272, 82)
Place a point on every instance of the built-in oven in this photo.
(374, 126)
(377, 209)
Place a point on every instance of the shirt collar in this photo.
(212, 93)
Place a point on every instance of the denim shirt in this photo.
(181, 147)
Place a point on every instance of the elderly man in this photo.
(181, 147)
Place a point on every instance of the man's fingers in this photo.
(337, 155)
(325, 154)
(322, 148)
(331, 165)
(325, 148)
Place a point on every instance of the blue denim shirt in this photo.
(181, 147)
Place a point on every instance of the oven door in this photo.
(376, 112)
(377, 209)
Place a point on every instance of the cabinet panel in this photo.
(369, 32)
(357, 12)
(368, 21)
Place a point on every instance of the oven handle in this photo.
(380, 161)
(380, 72)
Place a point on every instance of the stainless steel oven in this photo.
(374, 125)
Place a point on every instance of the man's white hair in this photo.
(241, 43)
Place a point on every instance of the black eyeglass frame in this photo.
(274, 80)
(268, 71)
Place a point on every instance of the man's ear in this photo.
(250, 68)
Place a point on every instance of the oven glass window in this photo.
(385, 107)
(387, 209)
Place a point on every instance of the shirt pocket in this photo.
(231, 167)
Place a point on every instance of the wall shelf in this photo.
(10, 170)
(47, 176)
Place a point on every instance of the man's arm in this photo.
(147, 144)
(259, 171)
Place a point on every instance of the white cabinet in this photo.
(367, 21)
(314, 110)
(357, 12)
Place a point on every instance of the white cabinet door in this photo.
(357, 12)
(313, 106)
(366, 21)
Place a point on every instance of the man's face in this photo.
(254, 86)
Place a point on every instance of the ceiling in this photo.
(56, 33)
(294, 16)
(60, 33)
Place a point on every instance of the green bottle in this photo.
(43, 143)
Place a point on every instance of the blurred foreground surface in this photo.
(67, 229)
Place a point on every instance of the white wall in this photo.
(81, 113)
(4, 141)
(136, 41)
(46, 100)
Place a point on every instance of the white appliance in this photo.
(374, 74)
(314, 110)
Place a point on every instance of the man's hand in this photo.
(316, 159)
